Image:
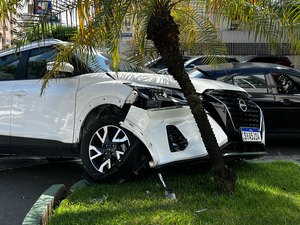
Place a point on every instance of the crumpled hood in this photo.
(156, 80)
(168, 81)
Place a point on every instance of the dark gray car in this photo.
(275, 88)
(203, 60)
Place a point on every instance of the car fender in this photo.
(95, 95)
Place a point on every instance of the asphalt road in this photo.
(283, 148)
(23, 180)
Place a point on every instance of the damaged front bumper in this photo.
(171, 135)
(152, 128)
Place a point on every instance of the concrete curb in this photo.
(41, 211)
(78, 185)
(42, 208)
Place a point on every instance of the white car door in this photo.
(5, 104)
(8, 68)
(46, 117)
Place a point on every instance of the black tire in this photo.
(109, 152)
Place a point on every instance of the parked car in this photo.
(118, 124)
(281, 60)
(202, 60)
(158, 64)
(275, 88)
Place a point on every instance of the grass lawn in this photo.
(266, 194)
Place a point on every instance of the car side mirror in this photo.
(64, 67)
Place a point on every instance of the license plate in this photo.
(250, 134)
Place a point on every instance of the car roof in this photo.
(151, 62)
(33, 45)
(246, 67)
(217, 56)
(267, 57)
(242, 66)
(208, 56)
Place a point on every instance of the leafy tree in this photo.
(290, 10)
(53, 31)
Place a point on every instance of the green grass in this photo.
(266, 194)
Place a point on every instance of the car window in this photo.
(79, 66)
(285, 84)
(37, 63)
(251, 83)
(193, 73)
(8, 66)
(193, 62)
(226, 79)
(159, 64)
(101, 62)
(231, 59)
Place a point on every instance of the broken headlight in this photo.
(158, 97)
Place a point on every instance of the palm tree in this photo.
(166, 23)
(164, 32)
(153, 20)
(101, 24)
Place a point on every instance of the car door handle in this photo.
(287, 102)
(20, 93)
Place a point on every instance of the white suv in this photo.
(117, 124)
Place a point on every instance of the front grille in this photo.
(249, 118)
(177, 141)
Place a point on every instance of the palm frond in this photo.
(198, 32)
(267, 21)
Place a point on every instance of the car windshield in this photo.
(101, 62)
(204, 60)
(193, 73)
(188, 62)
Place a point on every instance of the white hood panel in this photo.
(158, 80)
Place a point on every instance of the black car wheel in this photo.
(110, 152)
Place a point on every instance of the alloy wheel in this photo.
(107, 147)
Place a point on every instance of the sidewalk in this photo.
(279, 156)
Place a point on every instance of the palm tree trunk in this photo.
(164, 33)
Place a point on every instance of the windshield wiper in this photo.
(108, 74)
(203, 72)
